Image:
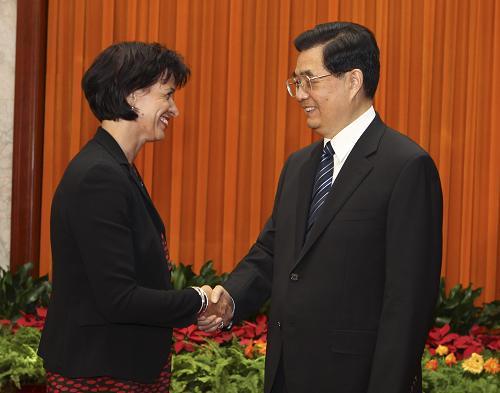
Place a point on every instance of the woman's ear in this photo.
(131, 98)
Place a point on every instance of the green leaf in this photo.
(458, 308)
(440, 321)
(207, 268)
(19, 292)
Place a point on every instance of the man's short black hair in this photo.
(347, 46)
(124, 68)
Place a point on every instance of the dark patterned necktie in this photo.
(322, 184)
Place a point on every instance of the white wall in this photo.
(8, 11)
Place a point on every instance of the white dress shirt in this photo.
(345, 140)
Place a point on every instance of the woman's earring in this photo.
(132, 105)
(136, 110)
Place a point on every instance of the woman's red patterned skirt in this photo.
(58, 384)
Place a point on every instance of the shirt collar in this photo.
(345, 140)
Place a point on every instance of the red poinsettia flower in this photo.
(31, 320)
(188, 338)
(222, 337)
(250, 329)
(488, 339)
(436, 334)
(261, 325)
(476, 330)
(183, 346)
(494, 345)
(191, 333)
(468, 345)
(463, 347)
(41, 312)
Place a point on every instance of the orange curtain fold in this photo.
(214, 176)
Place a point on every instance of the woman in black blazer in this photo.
(109, 323)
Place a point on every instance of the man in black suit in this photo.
(351, 254)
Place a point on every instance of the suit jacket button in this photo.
(278, 324)
(294, 277)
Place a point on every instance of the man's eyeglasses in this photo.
(302, 81)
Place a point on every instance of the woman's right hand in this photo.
(220, 309)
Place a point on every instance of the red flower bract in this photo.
(249, 333)
(463, 347)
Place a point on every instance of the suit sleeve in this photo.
(413, 265)
(99, 220)
(251, 281)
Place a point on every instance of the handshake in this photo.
(219, 312)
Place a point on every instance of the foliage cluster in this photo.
(454, 379)
(458, 309)
(215, 368)
(234, 361)
(20, 293)
(183, 276)
(19, 362)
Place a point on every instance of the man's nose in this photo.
(301, 94)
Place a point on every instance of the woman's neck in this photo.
(126, 136)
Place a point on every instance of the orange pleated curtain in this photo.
(214, 176)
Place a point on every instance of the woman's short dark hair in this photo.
(124, 68)
(347, 46)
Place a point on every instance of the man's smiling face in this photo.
(327, 104)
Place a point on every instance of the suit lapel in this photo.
(352, 174)
(155, 216)
(306, 178)
(108, 142)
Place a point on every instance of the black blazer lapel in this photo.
(353, 172)
(306, 178)
(109, 143)
(155, 216)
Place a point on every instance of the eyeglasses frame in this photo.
(297, 85)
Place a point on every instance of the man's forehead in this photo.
(309, 68)
(310, 62)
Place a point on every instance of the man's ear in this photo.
(355, 81)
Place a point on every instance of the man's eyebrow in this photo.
(304, 72)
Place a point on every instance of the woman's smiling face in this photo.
(155, 106)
